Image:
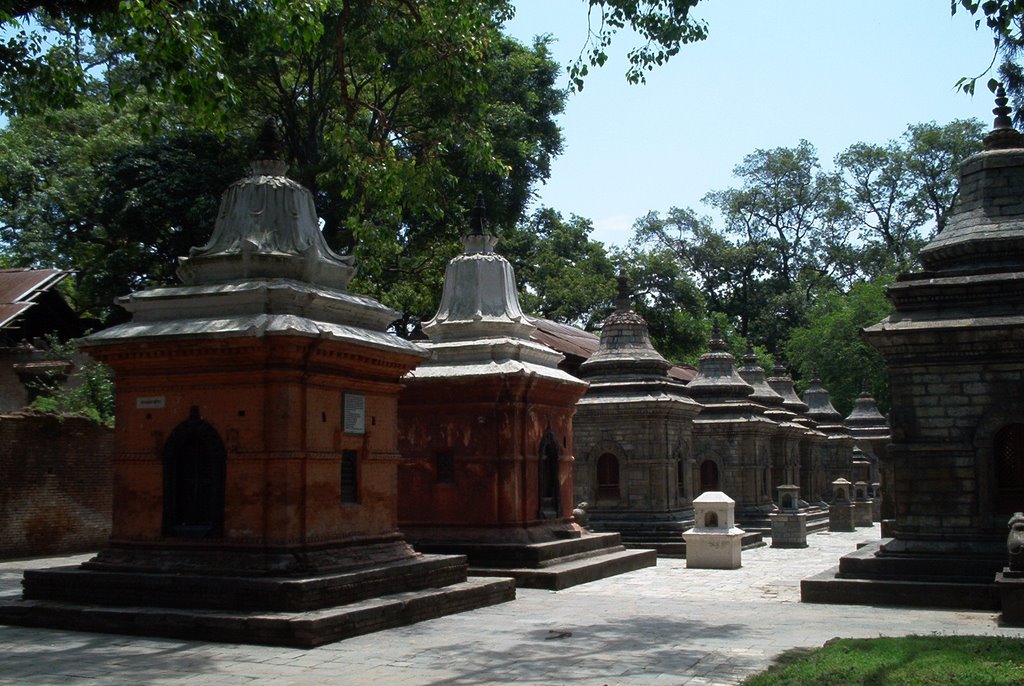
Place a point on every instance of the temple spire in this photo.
(1003, 135)
(478, 217)
(622, 300)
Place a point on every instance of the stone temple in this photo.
(634, 438)
(256, 453)
(486, 437)
(954, 348)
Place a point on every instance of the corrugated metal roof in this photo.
(8, 311)
(19, 287)
(566, 339)
(569, 340)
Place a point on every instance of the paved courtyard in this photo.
(662, 625)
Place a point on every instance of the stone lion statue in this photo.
(579, 513)
(1015, 542)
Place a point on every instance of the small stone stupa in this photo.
(870, 432)
(952, 347)
(486, 437)
(732, 437)
(836, 458)
(785, 442)
(811, 481)
(633, 436)
(256, 449)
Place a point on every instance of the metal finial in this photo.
(1002, 111)
(780, 368)
(716, 337)
(622, 300)
(478, 217)
(268, 143)
(1003, 136)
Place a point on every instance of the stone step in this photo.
(294, 629)
(827, 587)
(573, 572)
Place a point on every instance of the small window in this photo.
(711, 520)
(608, 475)
(349, 476)
(709, 476)
(444, 463)
(1009, 463)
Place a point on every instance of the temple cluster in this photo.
(288, 472)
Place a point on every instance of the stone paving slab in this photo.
(664, 625)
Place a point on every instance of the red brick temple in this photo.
(486, 438)
(256, 450)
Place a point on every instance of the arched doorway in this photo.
(608, 476)
(194, 467)
(709, 480)
(1008, 449)
(547, 477)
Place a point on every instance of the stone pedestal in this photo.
(840, 513)
(1011, 597)
(789, 525)
(863, 508)
(789, 529)
(714, 542)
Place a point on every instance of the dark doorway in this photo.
(709, 476)
(194, 469)
(547, 477)
(1008, 447)
(608, 476)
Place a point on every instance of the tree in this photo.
(1005, 19)
(725, 266)
(392, 152)
(665, 296)
(561, 273)
(48, 57)
(84, 193)
(830, 344)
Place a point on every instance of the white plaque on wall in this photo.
(155, 402)
(355, 413)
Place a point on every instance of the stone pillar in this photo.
(840, 513)
(1010, 581)
(862, 505)
(789, 525)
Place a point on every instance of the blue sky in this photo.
(770, 73)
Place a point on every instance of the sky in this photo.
(771, 72)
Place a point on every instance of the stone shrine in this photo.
(954, 349)
(731, 437)
(870, 431)
(789, 524)
(812, 443)
(785, 442)
(837, 453)
(633, 437)
(256, 450)
(714, 542)
(487, 439)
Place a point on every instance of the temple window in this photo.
(1008, 448)
(608, 475)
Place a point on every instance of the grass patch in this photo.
(905, 661)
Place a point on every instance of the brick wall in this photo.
(55, 485)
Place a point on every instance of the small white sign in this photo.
(153, 402)
(355, 413)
